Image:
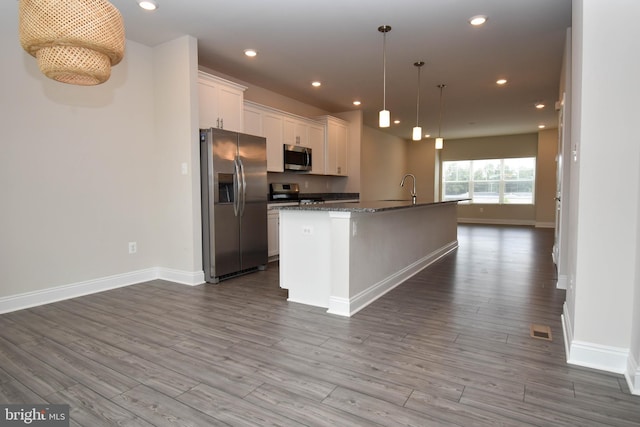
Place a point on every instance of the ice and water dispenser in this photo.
(225, 188)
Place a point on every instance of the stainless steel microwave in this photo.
(297, 158)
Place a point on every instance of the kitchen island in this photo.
(344, 256)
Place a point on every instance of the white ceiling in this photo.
(338, 43)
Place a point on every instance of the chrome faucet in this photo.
(413, 193)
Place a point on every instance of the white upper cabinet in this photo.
(316, 139)
(263, 121)
(272, 128)
(336, 146)
(220, 103)
(252, 120)
(296, 131)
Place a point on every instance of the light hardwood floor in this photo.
(451, 346)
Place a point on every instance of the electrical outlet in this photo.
(133, 247)
(307, 229)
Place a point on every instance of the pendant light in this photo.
(417, 130)
(439, 140)
(384, 120)
(75, 42)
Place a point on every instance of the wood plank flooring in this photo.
(451, 346)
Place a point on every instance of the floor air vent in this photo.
(541, 332)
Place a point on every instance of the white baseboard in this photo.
(273, 258)
(567, 329)
(191, 278)
(74, 290)
(541, 224)
(498, 221)
(633, 375)
(339, 306)
(349, 307)
(562, 281)
(590, 355)
(596, 356)
(493, 221)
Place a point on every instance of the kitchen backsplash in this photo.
(330, 196)
(311, 183)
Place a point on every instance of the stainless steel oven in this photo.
(290, 192)
(280, 192)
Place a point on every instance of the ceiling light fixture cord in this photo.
(384, 70)
(384, 29)
(418, 64)
(384, 118)
(441, 86)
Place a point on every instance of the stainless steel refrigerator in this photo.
(234, 203)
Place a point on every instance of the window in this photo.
(498, 181)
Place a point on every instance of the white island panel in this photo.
(304, 256)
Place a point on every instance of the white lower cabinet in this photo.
(273, 231)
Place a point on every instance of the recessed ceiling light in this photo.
(541, 126)
(501, 82)
(539, 105)
(251, 52)
(397, 122)
(357, 103)
(427, 135)
(477, 20)
(148, 4)
(316, 84)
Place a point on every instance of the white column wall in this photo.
(565, 159)
(604, 253)
(177, 143)
(633, 365)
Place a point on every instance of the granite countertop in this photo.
(371, 206)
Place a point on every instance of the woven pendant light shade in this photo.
(75, 41)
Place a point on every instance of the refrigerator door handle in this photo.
(236, 186)
(243, 186)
